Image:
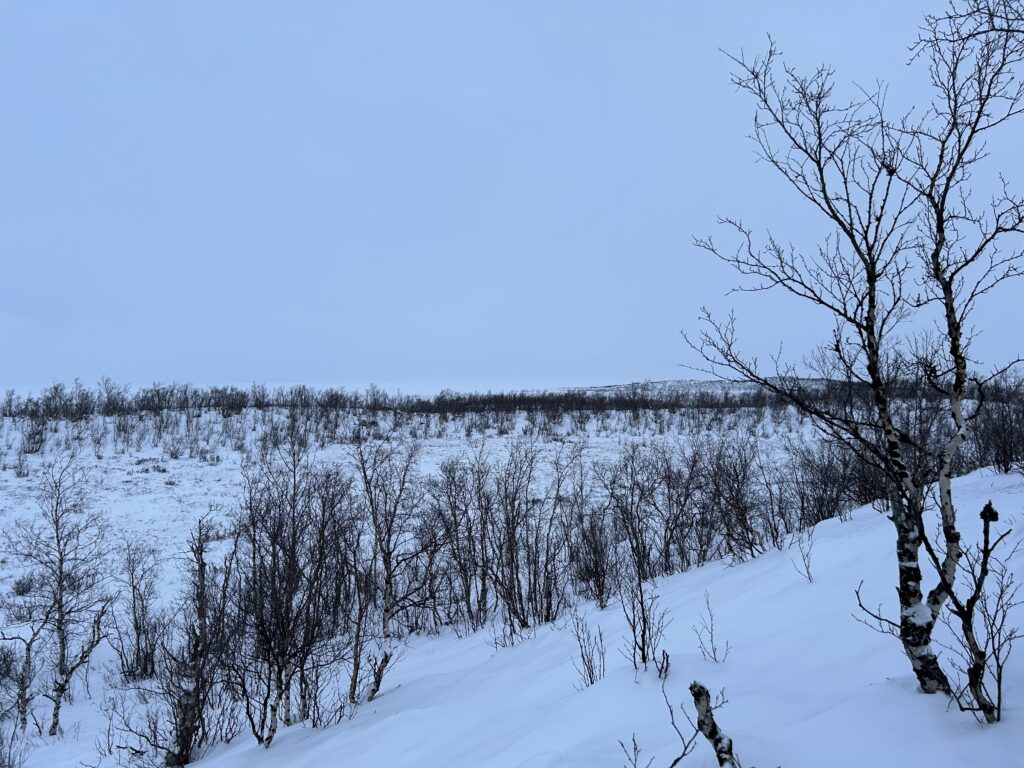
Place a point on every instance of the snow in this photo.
(807, 684)
(919, 614)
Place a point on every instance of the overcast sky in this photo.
(463, 194)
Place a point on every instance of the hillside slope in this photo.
(807, 685)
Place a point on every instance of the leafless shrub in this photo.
(997, 438)
(995, 607)
(528, 538)
(707, 639)
(732, 496)
(590, 552)
(393, 493)
(629, 485)
(983, 635)
(461, 505)
(675, 503)
(818, 480)
(171, 718)
(404, 546)
(688, 741)
(33, 434)
(27, 627)
(591, 662)
(632, 754)
(14, 749)
(21, 464)
(137, 623)
(288, 595)
(646, 621)
(804, 542)
(663, 665)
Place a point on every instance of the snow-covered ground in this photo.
(806, 683)
(145, 492)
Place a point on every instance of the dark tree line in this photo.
(78, 402)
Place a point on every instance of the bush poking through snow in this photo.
(804, 543)
(13, 751)
(983, 636)
(707, 640)
(646, 622)
(591, 662)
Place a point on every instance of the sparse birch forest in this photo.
(773, 565)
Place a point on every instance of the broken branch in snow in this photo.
(707, 725)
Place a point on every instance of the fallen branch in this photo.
(706, 724)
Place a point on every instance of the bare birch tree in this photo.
(908, 242)
(392, 494)
(65, 587)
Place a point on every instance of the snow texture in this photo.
(807, 684)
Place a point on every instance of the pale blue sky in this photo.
(465, 194)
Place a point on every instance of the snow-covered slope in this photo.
(807, 685)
